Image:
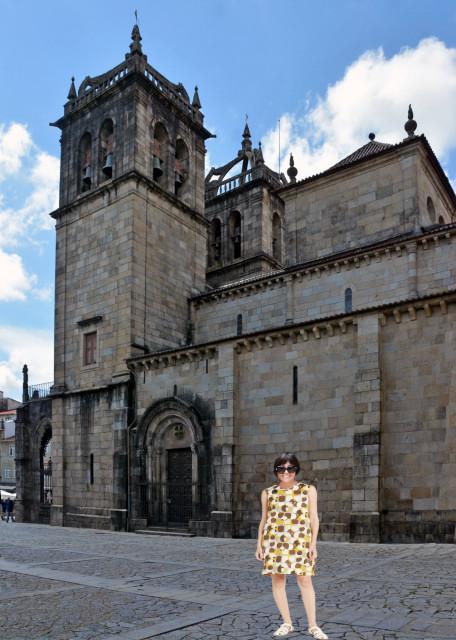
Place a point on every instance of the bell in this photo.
(158, 171)
(87, 179)
(177, 179)
(107, 169)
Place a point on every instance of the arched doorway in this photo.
(45, 477)
(167, 486)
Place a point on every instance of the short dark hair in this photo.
(287, 457)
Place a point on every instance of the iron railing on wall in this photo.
(37, 391)
(169, 504)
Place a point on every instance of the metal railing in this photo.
(37, 391)
(168, 504)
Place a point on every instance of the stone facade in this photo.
(196, 341)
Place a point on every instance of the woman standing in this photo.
(287, 540)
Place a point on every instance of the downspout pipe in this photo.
(130, 428)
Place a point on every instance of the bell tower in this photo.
(131, 249)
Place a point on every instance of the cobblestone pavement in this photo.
(65, 584)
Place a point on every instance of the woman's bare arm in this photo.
(264, 515)
(314, 522)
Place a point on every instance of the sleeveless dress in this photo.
(287, 533)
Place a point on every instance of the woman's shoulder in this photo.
(305, 486)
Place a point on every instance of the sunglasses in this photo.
(290, 469)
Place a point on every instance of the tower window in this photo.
(180, 167)
(159, 152)
(91, 469)
(276, 237)
(234, 224)
(90, 348)
(85, 163)
(106, 150)
(348, 300)
(215, 242)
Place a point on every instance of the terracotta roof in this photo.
(370, 149)
(381, 150)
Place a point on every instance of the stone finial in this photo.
(246, 143)
(196, 101)
(72, 95)
(372, 137)
(25, 394)
(292, 171)
(410, 125)
(135, 46)
(260, 159)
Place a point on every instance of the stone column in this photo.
(223, 442)
(121, 411)
(24, 475)
(412, 271)
(364, 518)
(59, 463)
(289, 284)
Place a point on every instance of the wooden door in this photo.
(179, 485)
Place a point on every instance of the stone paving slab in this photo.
(74, 584)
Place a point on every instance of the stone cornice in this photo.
(110, 187)
(323, 327)
(354, 259)
(261, 255)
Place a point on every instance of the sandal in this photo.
(316, 632)
(284, 629)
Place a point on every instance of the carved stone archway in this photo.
(170, 426)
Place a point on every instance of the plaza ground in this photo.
(65, 584)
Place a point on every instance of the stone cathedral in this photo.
(204, 325)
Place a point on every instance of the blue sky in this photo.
(331, 71)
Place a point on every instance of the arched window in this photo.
(430, 209)
(85, 163)
(239, 325)
(234, 229)
(159, 154)
(105, 152)
(180, 167)
(276, 237)
(348, 300)
(215, 242)
(441, 220)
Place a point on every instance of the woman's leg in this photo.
(280, 596)
(308, 597)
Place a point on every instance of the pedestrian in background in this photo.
(287, 540)
(3, 509)
(9, 509)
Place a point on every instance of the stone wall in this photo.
(380, 275)
(90, 453)
(318, 427)
(418, 370)
(361, 204)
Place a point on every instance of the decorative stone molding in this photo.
(325, 266)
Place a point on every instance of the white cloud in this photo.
(15, 282)
(29, 186)
(24, 346)
(15, 143)
(373, 95)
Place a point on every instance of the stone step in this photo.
(165, 532)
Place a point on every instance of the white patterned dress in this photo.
(287, 534)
